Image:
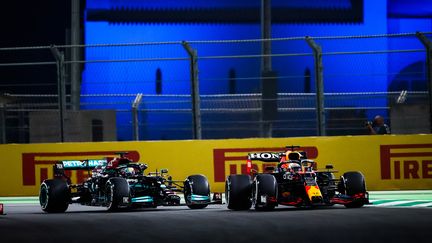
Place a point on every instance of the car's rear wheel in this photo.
(117, 193)
(238, 192)
(353, 183)
(196, 191)
(54, 196)
(265, 192)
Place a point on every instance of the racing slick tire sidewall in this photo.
(238, 192)
(197, 185)
(54, 196)
(116, 188)
(353, 183)
(264, 185)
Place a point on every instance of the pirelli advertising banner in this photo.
(389, 162)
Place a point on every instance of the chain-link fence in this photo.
(216, 89)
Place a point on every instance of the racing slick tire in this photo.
(238, 192)
(54, 196)
(199, 187)
(265, 186)
(354, 183)
(116, 193)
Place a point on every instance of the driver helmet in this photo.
(128, 171)
(294, 167)
(287, 166)
(97, 171)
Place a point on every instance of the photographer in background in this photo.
(377, 127)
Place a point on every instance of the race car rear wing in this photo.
(271, 156)
(80, 164)
(266, 156)
(61, 166)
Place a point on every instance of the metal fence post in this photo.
(268, 82)
(75, 52)
(428, 45)
(59, 56)
(135, 119)
(196, 112)
(319, 83)
(266, 62)
(2, 123)
(4, 100)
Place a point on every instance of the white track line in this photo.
(378, 200)
(401, 192)
(422, 205)
(396, 203)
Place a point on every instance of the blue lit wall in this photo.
(98, 4)
(139, 76)
(408, 73)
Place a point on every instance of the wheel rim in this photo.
(110, 195)
(43, 197)
(227, 192)
(255, 193)
(188, 196)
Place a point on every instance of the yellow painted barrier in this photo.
(388, 162)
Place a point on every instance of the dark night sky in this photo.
(28, 23)
(31, 23)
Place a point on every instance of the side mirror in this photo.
(329, 167)
(143, 166)
(164, 171)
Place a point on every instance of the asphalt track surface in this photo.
(27, 223)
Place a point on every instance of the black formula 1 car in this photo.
(120, 183)
(293, 182)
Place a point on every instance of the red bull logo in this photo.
(313, 192)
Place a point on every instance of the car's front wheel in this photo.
(265, 192)
(238, 192)
(196, 191)
(117, 193)
(353, 183)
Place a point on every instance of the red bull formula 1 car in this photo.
(120, 183)
(294, 181)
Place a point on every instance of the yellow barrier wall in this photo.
(388, 162)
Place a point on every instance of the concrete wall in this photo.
(80, 126)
